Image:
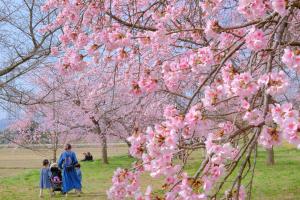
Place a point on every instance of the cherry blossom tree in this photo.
(229, 68)
(41, 125)
(23, 47)
(88, 105)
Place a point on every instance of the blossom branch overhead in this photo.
(217, 75)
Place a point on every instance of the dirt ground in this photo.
(15, 160)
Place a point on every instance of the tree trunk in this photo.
(270, 157)
(104, 149)
(54, 150)
(129, 145)
(54, 155)
(103, 139)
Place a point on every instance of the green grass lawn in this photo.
(96, 180)
(281, 181)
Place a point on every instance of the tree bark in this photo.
(129, 145)
(270, 157)
(54, 150)
(104, 148)
(54, 155)
(103, 139)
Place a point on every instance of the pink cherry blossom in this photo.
(291, 59)
(137, 145)
(243, 85)
(254, 117)
(227, 127)
(252, 8)
(186, 192)
(276, 83)
(205, 56)
(233, 194)
(280, 6)
(194, 115)
(278, 112)
(270, 137)
(256, 40)
(226, 39)
(211, 29)
(125, 184)
(212, 96)
(245, 104)
(54, 51)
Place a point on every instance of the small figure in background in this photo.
(79, 174)
(87, 157)
(45, 178)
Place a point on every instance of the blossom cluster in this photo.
(287, 120)
(292, 59)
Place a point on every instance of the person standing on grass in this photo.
(67, 162)
(78, 172)
(45, 178)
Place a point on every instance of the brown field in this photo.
(16, 160)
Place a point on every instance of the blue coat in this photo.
(45, 178)
(78, 171)
(69, 176)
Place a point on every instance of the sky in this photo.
(2, 113)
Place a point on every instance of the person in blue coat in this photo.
(66, 162)
(45, 178)
(79, 174)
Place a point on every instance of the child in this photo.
(45, 178)
(56, 178)
(78, 172)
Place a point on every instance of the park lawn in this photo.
(281, 181)
(96, 180)
(278, 182)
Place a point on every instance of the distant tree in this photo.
(24, 48)
(90, 107)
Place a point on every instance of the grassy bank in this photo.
(96, 180)
(281, 181)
